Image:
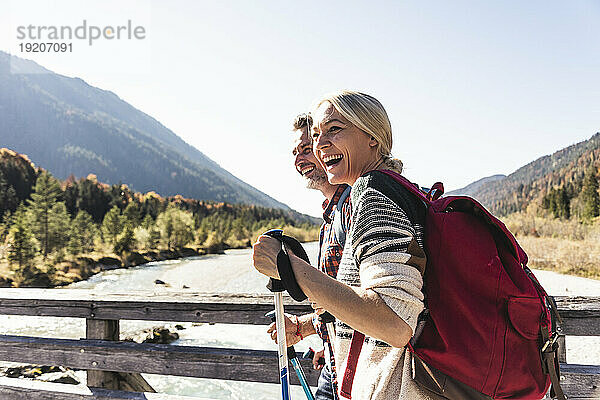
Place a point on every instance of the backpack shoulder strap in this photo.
(338, 224)
(409, 185)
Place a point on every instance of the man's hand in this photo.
(318, 355)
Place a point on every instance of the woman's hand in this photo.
(264, 255)
(290, 331)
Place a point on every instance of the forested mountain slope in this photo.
(70, 127)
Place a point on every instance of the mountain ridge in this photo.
(530, 183)
(472, 188)
(92, 130)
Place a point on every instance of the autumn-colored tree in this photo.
(176, 227)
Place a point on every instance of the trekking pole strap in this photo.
(284, 266)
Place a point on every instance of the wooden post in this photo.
(108, 329)
(104, 329)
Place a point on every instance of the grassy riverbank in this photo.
(563, 246)
(60, 269)
(53, 273)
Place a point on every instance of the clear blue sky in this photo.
(472, 88)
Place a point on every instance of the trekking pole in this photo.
(276, 287)
(329, 321)
(300, 372)
(292, 356)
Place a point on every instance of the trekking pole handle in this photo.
(326, 318)
(275, 285)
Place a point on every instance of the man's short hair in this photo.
(302, 120)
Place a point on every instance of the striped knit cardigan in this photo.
(383, 252)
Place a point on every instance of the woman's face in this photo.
(345, 151)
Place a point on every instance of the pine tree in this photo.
(147, 222)
(46, 193)
(132, 214)
(563, 206)
(22, 242)
(58, 227)
(112, 225)
(125, 241)
(590, 197)
(83, 232)
(5, 226)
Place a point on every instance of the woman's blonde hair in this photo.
(367, 114)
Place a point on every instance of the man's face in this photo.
(305, 162)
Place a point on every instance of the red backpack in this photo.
(489, 329)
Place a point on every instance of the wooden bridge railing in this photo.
(114, 366)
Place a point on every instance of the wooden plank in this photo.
(19, 389)
(580, 381)
(146, 305)
(199, 362)
(581, 315)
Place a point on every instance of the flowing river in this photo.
(232, 273)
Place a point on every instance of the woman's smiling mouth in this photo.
(331, 160)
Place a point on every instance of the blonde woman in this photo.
(378, 290)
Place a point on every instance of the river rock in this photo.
(30, 371)
(160, 335)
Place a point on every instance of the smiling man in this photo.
(332, 237)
